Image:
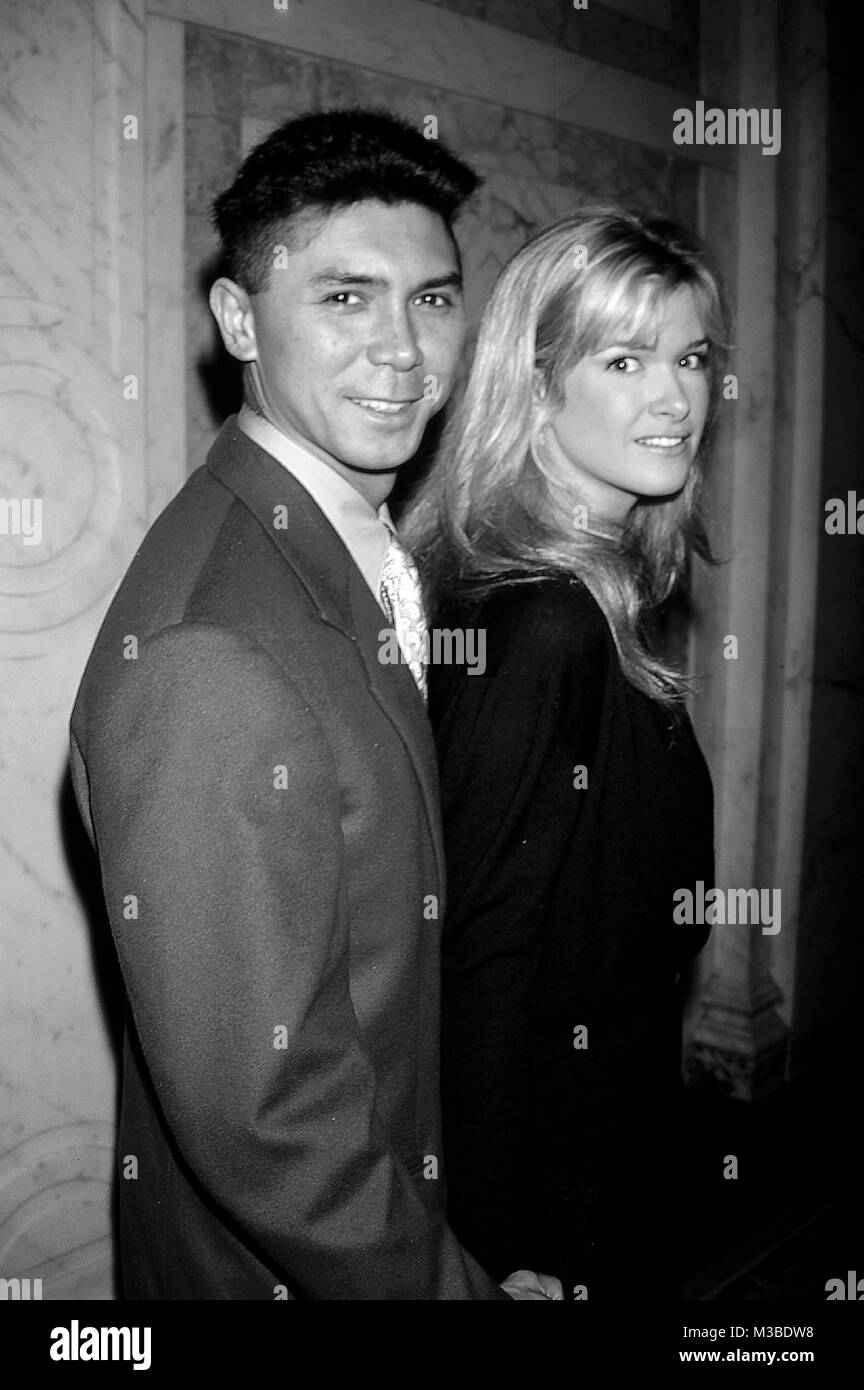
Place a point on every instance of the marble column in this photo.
(78, 370)
(753, 717)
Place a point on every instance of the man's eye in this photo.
(443, 300)
(342, 297)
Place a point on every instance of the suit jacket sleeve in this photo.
(508, 747)
(236, 963)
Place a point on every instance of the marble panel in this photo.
(73, 420)
(542, 19)
(636, 41)
(213, 151)
(476, 8)
(659, 13)
(421, 43)
(166, 283)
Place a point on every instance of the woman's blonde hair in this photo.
(486, 514)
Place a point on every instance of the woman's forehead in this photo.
(641, 316)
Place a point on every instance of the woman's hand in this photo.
(526, 1284)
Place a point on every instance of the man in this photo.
(261, 789)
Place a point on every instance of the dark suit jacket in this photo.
(262, 796)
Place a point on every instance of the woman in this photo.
(575, 798)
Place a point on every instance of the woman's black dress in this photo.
(561, 1027)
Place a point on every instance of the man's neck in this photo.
(374, 488)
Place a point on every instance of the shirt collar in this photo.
(363, 531)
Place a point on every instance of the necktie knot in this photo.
(402, 601)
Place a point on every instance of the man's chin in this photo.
(384, 455)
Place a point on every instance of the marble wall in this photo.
(71, 325)
(91, 430)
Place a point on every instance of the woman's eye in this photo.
(624, 364)
(695, 361)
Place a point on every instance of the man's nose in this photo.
(395, 343)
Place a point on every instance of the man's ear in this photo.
(232, 310)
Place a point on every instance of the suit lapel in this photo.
(395, 691)
(322, 564)
(292, 520)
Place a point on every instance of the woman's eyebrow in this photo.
(615, 343)
(650, 347)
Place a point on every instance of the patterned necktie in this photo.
(402, 601)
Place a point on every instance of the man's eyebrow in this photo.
(330, 276)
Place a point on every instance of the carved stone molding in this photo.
(54, 1205)
(64, 452)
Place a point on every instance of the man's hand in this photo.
(526, 1284)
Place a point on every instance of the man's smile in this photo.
(382, 406)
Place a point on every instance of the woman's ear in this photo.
(540, 414)
(541, 408)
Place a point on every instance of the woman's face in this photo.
(633, 415)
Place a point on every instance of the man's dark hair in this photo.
(331, 159)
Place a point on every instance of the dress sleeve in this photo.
(511, 744)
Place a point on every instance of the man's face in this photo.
(356, 340)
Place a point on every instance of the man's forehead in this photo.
(372, 234)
